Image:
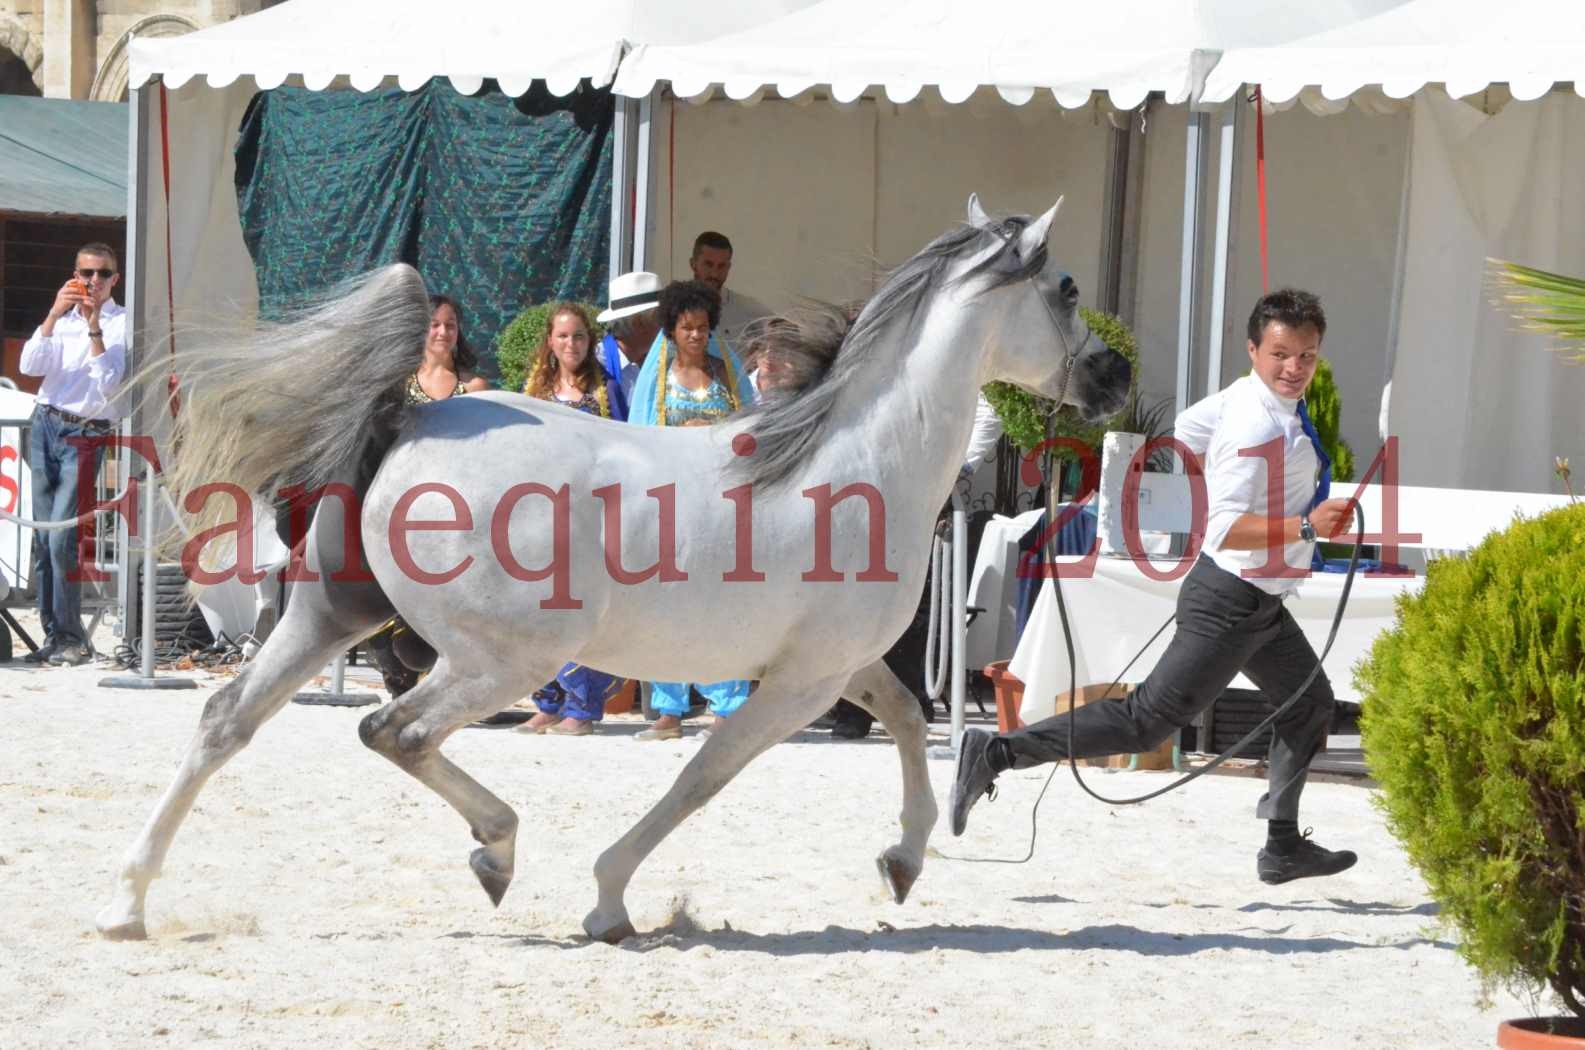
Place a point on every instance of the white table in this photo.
(1118, 607)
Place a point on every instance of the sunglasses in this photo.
(88, 272)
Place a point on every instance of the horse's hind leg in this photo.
(306, 639)
(410, 730)
(777, 709)
(876, 689)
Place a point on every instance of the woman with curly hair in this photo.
(689, 379)
(566, 371)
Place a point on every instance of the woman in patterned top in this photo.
(448, 364)
(689, 380)
(565, 371)
(446, 370)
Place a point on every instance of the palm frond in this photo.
(1541, 301)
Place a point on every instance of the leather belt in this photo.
(76, 420)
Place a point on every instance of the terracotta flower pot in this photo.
(623, 701)
(1009, 696)
(1542, 1033)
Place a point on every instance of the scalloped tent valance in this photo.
(515, 42)
(1321, 53)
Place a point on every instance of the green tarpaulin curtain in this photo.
(500, 203)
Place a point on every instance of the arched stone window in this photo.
(21, 59)
(110, 84)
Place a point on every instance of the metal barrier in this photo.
(16, 542)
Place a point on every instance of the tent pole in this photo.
(644, 182)
(1197, 146)
(134, 266)
(1229, 135)
(623, 130)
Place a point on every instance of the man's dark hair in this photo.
(101, 249)
(1288, 306)
(681, 297)
(711, 239)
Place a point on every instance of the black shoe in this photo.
(973, 777)
(42, 654)
(1305, 860)
(849, 731)
(69, 655)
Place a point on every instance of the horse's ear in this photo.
(1034, 236)
(977, 216)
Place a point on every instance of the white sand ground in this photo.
(319, 898)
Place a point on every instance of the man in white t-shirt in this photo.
(711, 262)
(1230, 613)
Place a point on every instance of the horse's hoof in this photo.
(600, 928)
(123, 930)
(898, 873)
(493, 879)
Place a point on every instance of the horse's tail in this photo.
(302, 400)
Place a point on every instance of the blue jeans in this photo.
(578, 692)
(671, 698)
(56, 464)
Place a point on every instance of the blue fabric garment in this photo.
(642, 408)
(1077, 536)
(56, 464)
(611, 358)
(1323, 488)
(578, 692)
(671, 698)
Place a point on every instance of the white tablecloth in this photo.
(1118, 607)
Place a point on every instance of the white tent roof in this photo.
(1127, 48)
(1467, 45)
(514, 41)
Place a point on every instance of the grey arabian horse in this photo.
(516, 535)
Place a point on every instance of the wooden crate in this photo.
(1010, 695)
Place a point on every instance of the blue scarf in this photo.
(647, 387)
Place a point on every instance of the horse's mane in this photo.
(824, 347)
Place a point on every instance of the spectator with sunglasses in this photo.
(80, 351)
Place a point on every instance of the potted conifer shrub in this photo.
(1474, 725)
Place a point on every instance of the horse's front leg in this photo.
(876, 689)
(303, 643)
(780, 706)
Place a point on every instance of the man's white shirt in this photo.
(737, 311)
(1243, 417)
(74, 380)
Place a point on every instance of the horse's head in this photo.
(1042, 343)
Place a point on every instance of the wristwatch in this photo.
(1306, 529)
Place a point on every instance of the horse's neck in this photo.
(915, 400)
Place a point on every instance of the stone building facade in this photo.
(78, 48)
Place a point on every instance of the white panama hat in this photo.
(631, 293)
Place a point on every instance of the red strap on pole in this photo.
(173, 384)
(1260, 184)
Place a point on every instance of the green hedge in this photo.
(1474, 723)
(520, 341)
(1325, 407)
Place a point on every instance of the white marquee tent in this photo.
(1199, 52)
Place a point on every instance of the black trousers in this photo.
(1225, 625)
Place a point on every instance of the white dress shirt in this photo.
(74, 380)
(737, 311)
(1252, 415)
(982, 439)
(1196, 425)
